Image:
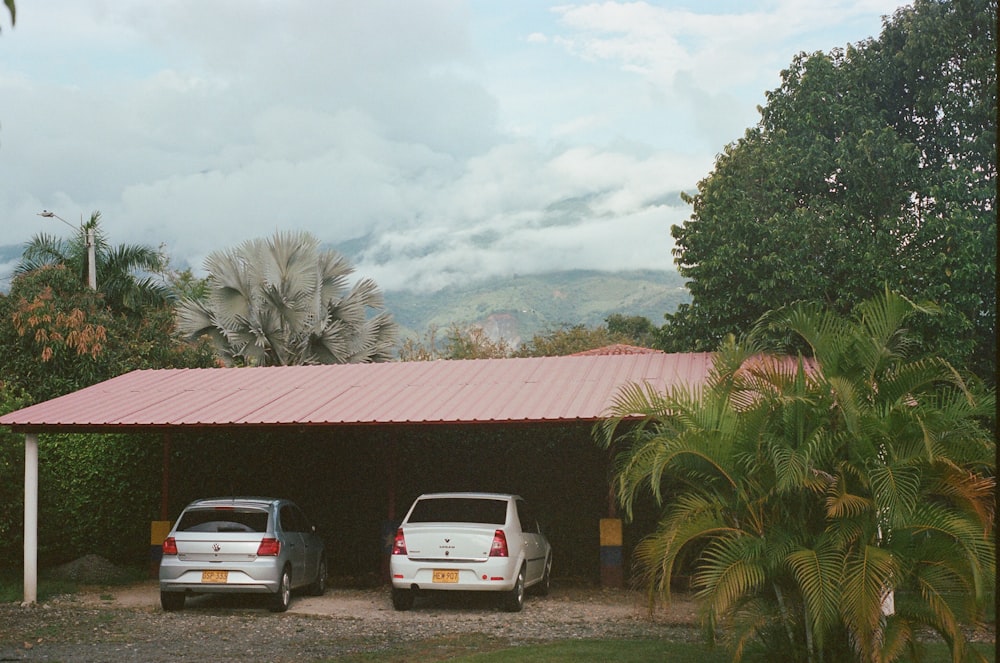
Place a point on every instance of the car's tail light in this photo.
(499, 547)
(170, 546)
(268, 547)
(399, 543)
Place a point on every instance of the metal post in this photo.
(91, 259)
(30, 518)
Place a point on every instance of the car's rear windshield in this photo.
(233, 519)
(459, 510)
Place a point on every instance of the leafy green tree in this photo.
(126, 273)
(13, 11)
(827, 509)
(58, 336)
(473, 343)
(870, 166)
(638, 330)
(283, 301)
(570, 339)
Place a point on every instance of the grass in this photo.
(485, 649)
(620, 651)
(477, 648)
(12, 585)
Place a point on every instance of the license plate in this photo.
(443, 575)
(214, 576)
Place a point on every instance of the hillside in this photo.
(518, 307)
(521, 306)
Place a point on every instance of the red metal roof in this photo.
(574, 388)
(618, 349)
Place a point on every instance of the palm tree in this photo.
(827, 507)
(124, 272)
(282, 301)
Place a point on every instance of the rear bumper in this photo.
(252, 578)
(497, 574)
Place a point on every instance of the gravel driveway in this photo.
(125, 623)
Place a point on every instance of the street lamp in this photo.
(91, 247)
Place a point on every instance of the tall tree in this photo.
(284, 301)
(126, 273)
(827, 508)
(570, 339)
(870, 166)
(58, 336)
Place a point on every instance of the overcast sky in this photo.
(456, 138)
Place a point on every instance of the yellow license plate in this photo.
(443, 575)
(214, 576)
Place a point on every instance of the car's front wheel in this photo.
(514, 600)
(172, 601)
(402, 599)
(283, 597)
(318, 587)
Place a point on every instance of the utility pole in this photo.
(91, 246)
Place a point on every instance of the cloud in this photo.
(447, 140)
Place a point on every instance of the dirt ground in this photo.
(585, 603)
(126, 623)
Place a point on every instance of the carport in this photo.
(493, 392)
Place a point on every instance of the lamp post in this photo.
(91, 247)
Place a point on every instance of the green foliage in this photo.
(636, 329)
(870, 166)
(59, 337)
(473, 343)
(97, 495)
(97, 492)
(568, 340)
(11, 476)
(184, 284)
(126, 273)
(798, 495)
(282, 301)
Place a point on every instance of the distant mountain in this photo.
(519, 307)
(514, 308)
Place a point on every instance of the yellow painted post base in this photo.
(158, 530)
(612, 573)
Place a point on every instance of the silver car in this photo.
(469, 542)
(255, 545)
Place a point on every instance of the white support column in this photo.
(30, 518)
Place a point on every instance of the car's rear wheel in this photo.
(283, 597)
(318, 587)
(172, 601)
(514, 600)
(402, 599)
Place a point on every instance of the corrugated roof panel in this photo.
(523, 389)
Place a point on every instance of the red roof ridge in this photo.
(618, 349)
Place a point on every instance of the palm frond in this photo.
(817, 571)
(869, 574)
(730, 569)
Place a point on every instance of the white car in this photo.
(469, 542)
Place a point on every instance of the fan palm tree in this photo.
(283, 301)
(827, 507)
(124, 272)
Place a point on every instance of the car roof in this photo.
(237, 501)
(472, 495)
